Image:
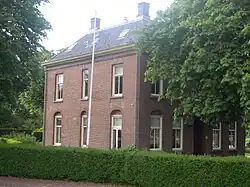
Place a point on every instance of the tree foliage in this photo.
(201, 48)
(22, 26)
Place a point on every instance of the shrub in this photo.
(22, 137)
(9, 131)
(124, 167)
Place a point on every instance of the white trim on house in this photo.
(84, 127)
(181, 136)
(219, 130)
(160, 133)
(235, 136)
(59, 81)
(160, 89)
(119, 75)
(84, 80)
(116, 128)
(55, 130)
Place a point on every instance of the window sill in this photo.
(116, 97)
(177, 149)
(57, 144)
(58, 101)
(155, 149)
(217, 149)
(233, 149)
(84, 99)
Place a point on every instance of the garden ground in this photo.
(19, 182)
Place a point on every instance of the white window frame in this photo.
(160, 142)
(115, 128)
(114, 76)
(57, 83)
(218, 129)
(55, 130)
(160, 89)
(235, 136)
(181, 128)
(83, 128)
(84, 80)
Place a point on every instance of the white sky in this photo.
(70, 19)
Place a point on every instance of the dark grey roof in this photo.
(106, 39)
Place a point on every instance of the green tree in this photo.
(31, 101)
(200, 48)
(22, 26)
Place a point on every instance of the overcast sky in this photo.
(70, 19)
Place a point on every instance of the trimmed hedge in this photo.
(123, 167)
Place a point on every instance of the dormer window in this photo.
(123, 33)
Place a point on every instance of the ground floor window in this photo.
(58, 130)
(84, 128)
(232, 128)
(177, 135)
(217, 136)
(156, 132)
(116, 134)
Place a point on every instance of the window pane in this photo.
(157, 138)
(118, 70)
(119, 139)
(232, 139)
(176, 124)
(86, 86)
(114, 138)
(157, 87)
(84, 136)
(58, 134)
(60, 91)
(121, 85)
(85, 121)
(60, 79)
(232, 126)
(152, 137)
(155, 122)
(58, 121)
(216, 139)
(217, 126)
(116, 84)
(86, 76)
(153, 89)
(117, 122)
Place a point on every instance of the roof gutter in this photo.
(88, 55)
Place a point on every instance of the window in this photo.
(123, 33)
(59, 87)
(84, 128)
(156, 132)
(217, 137)
(117, 80)
(85, 84)
(157, 88)
(58, 130)
(232, 135)
(116, 134)
(177, 136)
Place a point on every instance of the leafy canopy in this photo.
(201, 49)
(22, 26)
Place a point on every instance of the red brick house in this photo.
(125, 110)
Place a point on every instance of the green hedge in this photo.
(123, 167)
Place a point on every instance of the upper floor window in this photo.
(85, 84)
(217, 136)
(116, 133)
(157, 88)
(117, 80)
(57, 129)
(156, 132)
(59, 87)
(177, 136)
(84, 128)
(232, 128)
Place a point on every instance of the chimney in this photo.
(92, 23)
(143, 10)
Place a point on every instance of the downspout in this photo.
(44, 104)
